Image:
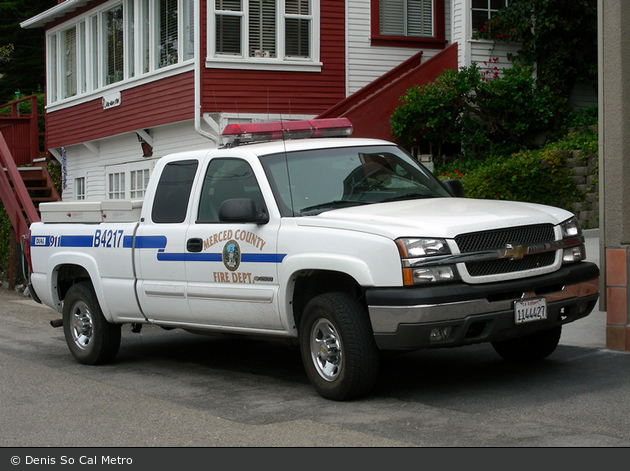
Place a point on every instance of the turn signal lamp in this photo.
(245, 133)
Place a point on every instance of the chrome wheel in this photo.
(82, 327)
(326, 350)
(91, 339)
(337, 346)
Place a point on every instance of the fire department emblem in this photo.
(231, 255)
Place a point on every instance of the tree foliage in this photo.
(558, 37)
(22, 67)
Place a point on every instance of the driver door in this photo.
(232, 267)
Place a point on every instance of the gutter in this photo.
(197, 111)
(50, 15)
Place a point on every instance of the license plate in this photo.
(530, 310)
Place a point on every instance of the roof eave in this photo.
(52, 14)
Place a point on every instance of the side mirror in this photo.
(241, 210)
(454, 187)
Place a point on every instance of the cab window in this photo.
(227, 179)
(173, 192)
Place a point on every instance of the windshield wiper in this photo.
(333, 205)
(409, 196)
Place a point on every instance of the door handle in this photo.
(194, 245)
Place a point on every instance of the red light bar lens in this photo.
(333, 127)
(253, 132)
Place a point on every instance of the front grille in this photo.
(499, 239)
(505, 265)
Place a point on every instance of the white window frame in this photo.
(490, 12)
(104, 77)
(116, 188)
(125, 173)
(69, 77)
(281, 61)
(135, 190)
(91, 50)
(80, 188)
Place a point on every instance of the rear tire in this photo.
(91, 339)
(533, 347)
(337, 347)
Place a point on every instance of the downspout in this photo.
(212, 137)
(601, 149)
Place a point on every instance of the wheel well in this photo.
(311, 283)
(68, 275)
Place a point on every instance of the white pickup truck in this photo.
(346, 246)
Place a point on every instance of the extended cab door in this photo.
(232, 265)
(160, 245)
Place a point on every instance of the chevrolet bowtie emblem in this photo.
(515, 252)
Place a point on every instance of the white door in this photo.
(232, 267)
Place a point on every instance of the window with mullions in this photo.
(263, 29)
(116, 186)
(483, 10)
(79, 188)
(138, 182)
(115, 42)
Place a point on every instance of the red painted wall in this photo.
(371, 117)
(237, 91)
(165, 101)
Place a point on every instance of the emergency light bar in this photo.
(235, 134)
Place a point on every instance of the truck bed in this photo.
(85, 212)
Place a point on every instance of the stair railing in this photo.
(14, 195)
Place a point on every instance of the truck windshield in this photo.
(312, 181)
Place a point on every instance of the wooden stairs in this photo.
(25, 182)
(39, 184)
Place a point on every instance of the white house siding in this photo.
(366, 63)
(124, 152)
(486, 51)
(459, 29)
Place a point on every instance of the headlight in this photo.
(412, 249)
(571, 229)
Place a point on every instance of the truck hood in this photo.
(436, 217)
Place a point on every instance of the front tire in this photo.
(337, 346)
(532, 347)
(91, 339)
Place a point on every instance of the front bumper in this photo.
(403, 318)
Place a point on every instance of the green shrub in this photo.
(481, 113)
(530, 176)
(535, 176)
